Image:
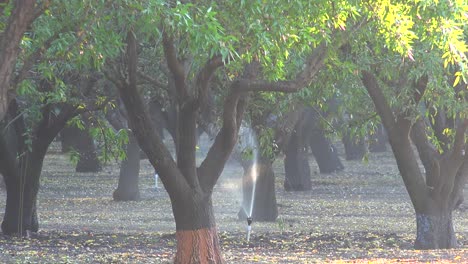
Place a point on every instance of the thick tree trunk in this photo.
(296, 166)
(355, 149)
(196, 235)
(127, 190)
(22, 186)
(20, 211)
(435, 231)
(263, 204)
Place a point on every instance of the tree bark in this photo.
(21, 17)
(435, 231)
(263, 202)
(22, 174)
(127, 189)
(83, 143)
(22, 188)
(296, 164)
(196, 234)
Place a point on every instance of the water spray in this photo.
(156, 176)
(249, 227)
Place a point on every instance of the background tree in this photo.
(50, 93)
(399, 77)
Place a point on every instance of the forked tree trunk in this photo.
(127, 189)
(435, 231)
(196, 233)
(434, 196)
(264, 207)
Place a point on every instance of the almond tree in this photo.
(412, 71)
(48, 91)
(197, 40)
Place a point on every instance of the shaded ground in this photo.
(360, 215)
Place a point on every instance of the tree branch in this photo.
(383, 108)
(313, 64)
(153, 81)
(204, 76)
(143, 128)
(427, 152)
(211, 168)
(174, 65)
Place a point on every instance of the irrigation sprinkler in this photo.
(249, 227)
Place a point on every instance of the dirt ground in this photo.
(360, 215)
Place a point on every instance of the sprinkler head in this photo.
(249, 220)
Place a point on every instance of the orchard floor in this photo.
(360, 215)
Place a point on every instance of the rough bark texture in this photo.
(128, 190)
(198, 246)
(264, 207)
(435, 231)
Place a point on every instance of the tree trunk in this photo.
(127, 190)
(378, 140)
(433, 197)
(20, 211)
(67, 138)
(22, 186)
(83, 143)
(196, 235)
(296, 166)
(263, 205)
(355, 149)
(435, 231)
